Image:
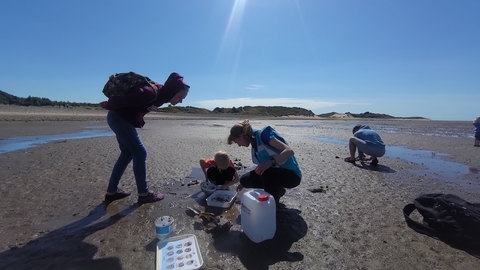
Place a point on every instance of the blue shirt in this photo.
(477, 127)
(262, 151)
(369, 135)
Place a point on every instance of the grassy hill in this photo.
(246, 110)
(8, 99)
(271, 111)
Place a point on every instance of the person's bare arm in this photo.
(203, 166)
(235, 180)
(285, 153)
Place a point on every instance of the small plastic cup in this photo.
(164, 227)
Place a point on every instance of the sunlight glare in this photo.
(305, 30)
(232, 30)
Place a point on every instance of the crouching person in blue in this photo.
(277, 167)
(368, 142)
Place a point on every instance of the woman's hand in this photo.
(239, 187)
(224, 186)
(260, 169)
(363, 158)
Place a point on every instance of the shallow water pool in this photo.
(431, 159)
(19, 143)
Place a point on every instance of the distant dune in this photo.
(47, 113)
(349, 115)
(341, 116)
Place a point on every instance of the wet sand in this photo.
(52, 217)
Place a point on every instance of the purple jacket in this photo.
(134, 105)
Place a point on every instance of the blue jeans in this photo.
(131, 148)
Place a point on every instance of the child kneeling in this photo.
(220, 170)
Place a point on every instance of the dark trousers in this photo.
(272, 180)
(220, 176)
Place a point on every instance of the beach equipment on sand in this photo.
(179, 252)
(164, 227)
(208, 188)
(258, 215)
(222, 198)
(448, 218)
(205, 215)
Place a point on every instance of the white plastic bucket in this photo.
(164, 227)
(258, 215)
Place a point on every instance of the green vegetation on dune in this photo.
(326, 115)
(272, 111)
(371, 115)
(8, 99)
(383, 116)
(246, 110)
(187, 109)
(266, 111)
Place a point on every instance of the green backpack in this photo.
(119, 84)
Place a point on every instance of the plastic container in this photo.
(179, 252)
(258, 215)
(222, 198)
(164, 227)
(208, 188)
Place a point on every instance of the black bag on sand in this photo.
(448, 218)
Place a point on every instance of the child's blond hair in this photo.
(222, 159)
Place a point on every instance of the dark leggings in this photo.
(220, 176)
(272, 180)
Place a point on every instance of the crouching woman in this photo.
(277, 167)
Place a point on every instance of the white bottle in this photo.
(258, 215)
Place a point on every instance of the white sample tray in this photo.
(179, 252)
(222, 198)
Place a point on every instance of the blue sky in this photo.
(403, 58)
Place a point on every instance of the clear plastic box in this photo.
(222, 198)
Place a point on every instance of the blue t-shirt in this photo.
(477, 127)
(369, 135)
(263, 151)
(269, 133)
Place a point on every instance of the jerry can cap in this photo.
(263, 197)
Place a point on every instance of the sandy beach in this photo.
(52, 216)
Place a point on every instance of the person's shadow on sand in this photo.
(368, 166)
(64, 248)
(291, 227)
(377, 168)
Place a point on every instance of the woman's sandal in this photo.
(117, 196)
(150, 198)
(347, 159)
